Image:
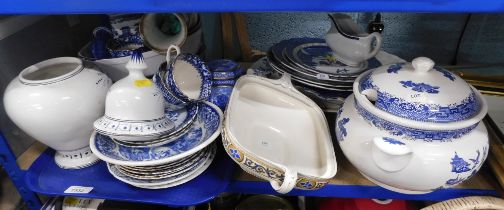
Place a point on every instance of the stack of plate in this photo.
(170, 160)
(314, 69)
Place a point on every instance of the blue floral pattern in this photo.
(394, 68)
(411, 133)
(467, 108)
(342, 132)
(445, 73)
(393, 141)
(206, 124)
(220, 96)
(420, 87)
(204, 75)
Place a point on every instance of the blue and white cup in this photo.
(187, 76)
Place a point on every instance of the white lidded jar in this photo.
(56, 102)
(422, 127)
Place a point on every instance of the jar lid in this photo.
(420, 91)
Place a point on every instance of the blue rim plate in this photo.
(222, 65)
(203, 131)
(320, 57)
(186, 175)
(181, 118)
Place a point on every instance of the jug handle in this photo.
(289, 182)
(378, 43)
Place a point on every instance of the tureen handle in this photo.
(422, 64)
(390, 154)
(289, 182)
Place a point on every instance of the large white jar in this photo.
(56, 102)
(413, 127)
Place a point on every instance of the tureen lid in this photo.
(420, 91)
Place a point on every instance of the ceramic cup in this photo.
(187, 77)
(160, 31)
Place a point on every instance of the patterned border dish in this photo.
(201, 133)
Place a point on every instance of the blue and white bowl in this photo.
(203, 131)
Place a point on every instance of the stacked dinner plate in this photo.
(148, 142)
(187, 151)
(314, 69)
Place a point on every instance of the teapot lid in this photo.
(420, 91)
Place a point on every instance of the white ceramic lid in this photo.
(135, 98)
(420, 91)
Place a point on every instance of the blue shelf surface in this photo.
(358, 191)
(45, 177)
(146, 6)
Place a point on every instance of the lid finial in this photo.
(422, 64)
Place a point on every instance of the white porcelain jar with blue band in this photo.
(422, 123)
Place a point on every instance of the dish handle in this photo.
(172, 49)
(289, 182)
(390, 154)
(378, 45)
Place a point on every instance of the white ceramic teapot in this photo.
(56, 102)
(351, 44)
(422, 127)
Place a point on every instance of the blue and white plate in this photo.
(180, 119)
(169, 172)
(180, 178)
(203, 131)
(318, 56)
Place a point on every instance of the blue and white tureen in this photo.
(422, 127)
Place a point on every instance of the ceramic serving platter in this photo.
(203, 131)
(268, 124)
(165, 182)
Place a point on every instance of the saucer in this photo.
(186, 175)
(203, 131)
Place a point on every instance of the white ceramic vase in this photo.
(56, 102)
(422, 127)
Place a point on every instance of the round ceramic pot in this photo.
(51, 102)
(422, 123)
(187, 77)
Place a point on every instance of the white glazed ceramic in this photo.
(268, 124)
(134, 106)
(155, 38)
(351, 44)
(51, 102)
(440, 151)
